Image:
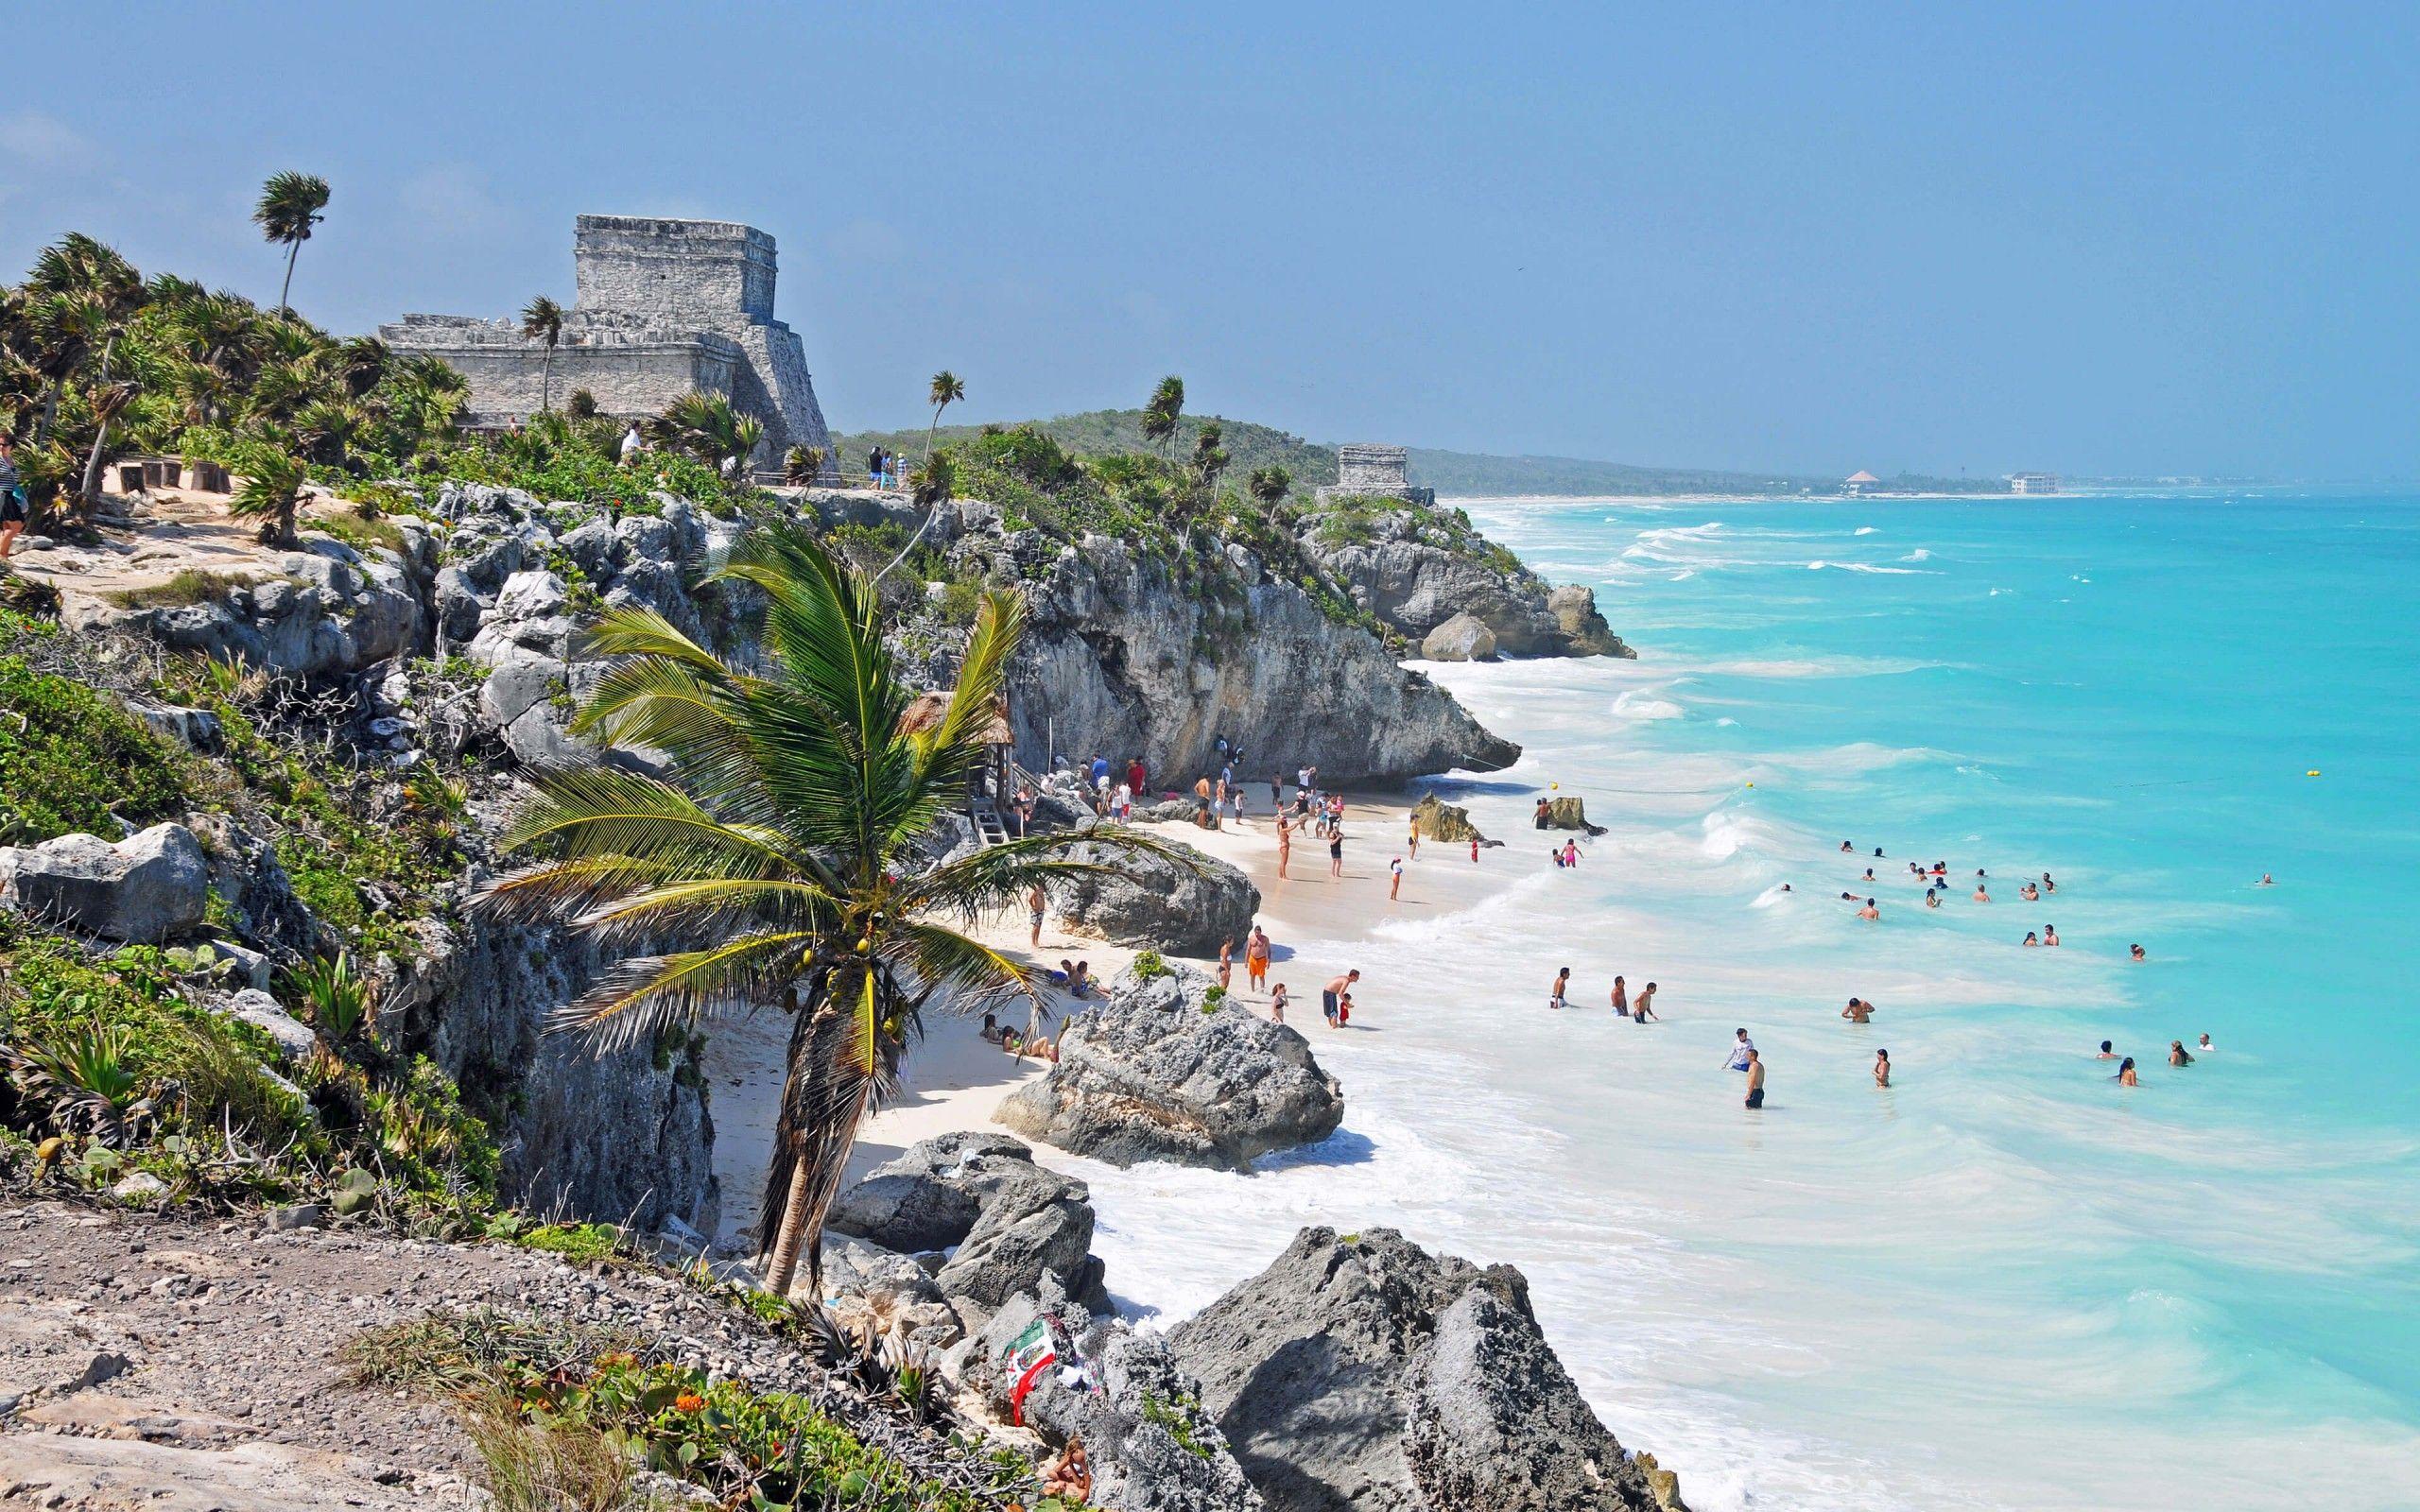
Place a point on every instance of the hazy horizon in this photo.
(2102, 243)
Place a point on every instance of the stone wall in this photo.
(704, 270)
(631, 374)
(1362, 468)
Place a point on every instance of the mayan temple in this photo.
(664, 307)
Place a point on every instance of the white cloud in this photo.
(42, 141)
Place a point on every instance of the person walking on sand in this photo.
(1756, 1068)
(1333, 994)
(1562, 984)
(1883, 1068)
(1226, 963)
(1394, 880)
(1473, 850)
(1277, 1003)
(1257, 960)
(1285, 843)
(1336, 852)
(1413, 844)
(1644, 1008)
(1033, 901)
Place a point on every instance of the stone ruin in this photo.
(665, 308)
(1365, 470)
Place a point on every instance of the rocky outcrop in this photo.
(1417, 568)
(1151, 1446)
(1156, 1075)
(1007, 1222)
(1363, 1373)
(1449, 823)
(1463, 638)
(147, 887)
(1563, 813)
(1186, 904)
(327, 608)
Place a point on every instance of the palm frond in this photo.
(643, 996)
(973, 973)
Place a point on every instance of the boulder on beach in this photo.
(1158, 1072)
(1463, 638)
(1565, 814)
(1360, 1371)
(147, 887)
(1449, 823)
(1187, 904)
(1006, 1221)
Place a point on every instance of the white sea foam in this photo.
(1920, 554)
(1864, 567)
(1864, 530)
(1641, 703)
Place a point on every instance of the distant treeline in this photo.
(1108, 432)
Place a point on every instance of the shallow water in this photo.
(2004, 1282)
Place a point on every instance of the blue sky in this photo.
(2136, 239)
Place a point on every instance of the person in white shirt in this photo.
(1740, 1050)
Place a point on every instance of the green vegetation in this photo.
(561, 1415)
(783, 848)
(1170, 1418)
(188, 587)
(581, 1242)
(71, 757)
(1115, 431)
(1148, 965)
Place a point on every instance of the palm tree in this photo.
(290, 207)
(947, 389)
(1159, 414)
(541, 319)
(784, 847)
(1269, 485)
(802, 465)
(1210, 458)
(273, 479)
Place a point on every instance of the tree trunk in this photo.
(811, 1143)
(49, 411)
(286, 288)
(547, 383)
(783, 1266)
(89, 493)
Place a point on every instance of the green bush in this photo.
(71, 756)
(186, 588)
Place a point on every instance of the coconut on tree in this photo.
(541, 319)
(784, 851)
(290, 207)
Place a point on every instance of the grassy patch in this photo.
(70, 756)
(579, 1242)
(190, 585)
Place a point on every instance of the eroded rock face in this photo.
(147, 887)
(1119, 658)
(1364, 1373)
(1150, 1075)
(1449, 823)
(1425, 568)
(1187, 906)
(1584, 628)
(1010, 1221)
(331, 609)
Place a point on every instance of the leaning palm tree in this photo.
(1160, 416)
(271, 491)
(290, 207)
(802, 465)
(947, 389)
(783, 851)
(541, 319)
(1270, 485)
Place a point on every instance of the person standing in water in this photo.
(2178, 1054)
(1644, 1008)
(1473, 850)
(2136, 953)
(1756, 1080)
(2126, 1072)
(1621, 999)
(1858, 1011)
(2106, 1054)
(2050, 935)
(1336, 852)
(1742, 1051)
(1870, 911)
(1554, 993)
(1883, 1068)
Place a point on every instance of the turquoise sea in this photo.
(2005, 1281)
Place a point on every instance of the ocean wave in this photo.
(1866, 567)
(1863, 530)
(1825, 666)
(1920, 554)
(1641, 703)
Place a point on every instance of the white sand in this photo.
(954, 1080)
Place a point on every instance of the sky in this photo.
(2100, 239)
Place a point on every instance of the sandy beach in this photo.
(952, 1079)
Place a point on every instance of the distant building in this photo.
(1367, 471)
(1863, 482)
(665, 308)
(2033, 483)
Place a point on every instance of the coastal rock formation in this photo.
(1187, 904)
(146, 888)
(1151, 1446)
(1155, 1073)
(323, 610)
(1463, 638)
(1416, 568)
(1447, 822)
(1564, 813)
(1008, 1222)
(1361, 1373)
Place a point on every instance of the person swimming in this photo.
(2049, 934)
(1847, 848)
(2206, 1047)
(2047, 886)
(1869, 911)
(2136, 952)
(2126, 1072)
(1982, 896)
(1932, 899)
(2266, 881)
(1883, 1068)
(2032, 938)
(2178, 1054)
(1869, 873)
(2029, 893)
(1858, 1011)
(2106, 1054)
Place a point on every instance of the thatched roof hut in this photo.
(929, 708)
